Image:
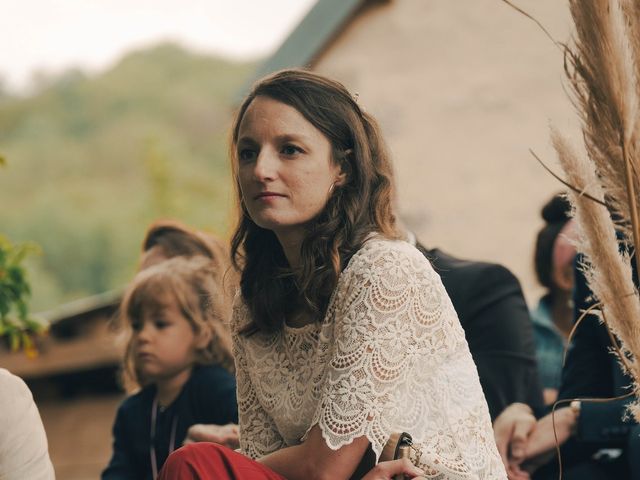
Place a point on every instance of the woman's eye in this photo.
(291, 150)
(136, 326)
(247, 155)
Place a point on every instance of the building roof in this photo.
(82, 336)
(313, 34)
(82, 306)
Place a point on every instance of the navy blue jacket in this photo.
(592, 371)
(209, 397)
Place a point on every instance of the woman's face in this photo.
(563, 254)
(285, 167)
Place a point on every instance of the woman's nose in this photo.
(266, 166)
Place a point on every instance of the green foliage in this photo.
(94, 160)
(16, 326)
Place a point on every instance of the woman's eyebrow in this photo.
(247, 141)
(291, 137)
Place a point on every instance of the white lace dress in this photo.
(390, 356)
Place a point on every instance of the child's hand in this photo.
(226, 435)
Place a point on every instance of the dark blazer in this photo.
(591, 371)
(495, 318)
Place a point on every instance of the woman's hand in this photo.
(388, 470)
(516, 472)
(541, 446)
(226, 435)
(511, 430)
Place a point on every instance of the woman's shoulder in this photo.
(379, 254)
(383, 264)
(240, 314)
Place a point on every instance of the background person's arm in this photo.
(500, 336)
(23, 443)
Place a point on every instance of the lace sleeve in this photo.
(258, 433)
(399, 362)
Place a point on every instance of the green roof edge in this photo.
(323, 22)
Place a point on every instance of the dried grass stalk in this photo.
(631, 10)
(608, 271)
(602, 72)
(603, 68)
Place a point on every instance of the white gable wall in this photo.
(462, 89)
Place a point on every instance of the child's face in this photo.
(163, 340)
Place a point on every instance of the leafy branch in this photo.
(17, 327)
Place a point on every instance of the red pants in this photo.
(210, 461)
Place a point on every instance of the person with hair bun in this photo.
(553, 316)
(343, 333)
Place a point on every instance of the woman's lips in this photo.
(267, 195)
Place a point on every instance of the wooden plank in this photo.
(56, 357)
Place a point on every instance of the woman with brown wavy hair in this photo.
(343, 333)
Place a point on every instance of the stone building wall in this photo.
(463, 89)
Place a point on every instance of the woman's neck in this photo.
(291, 241)
(168, 389)
(300, 318)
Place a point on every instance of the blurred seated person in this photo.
(598, 440)
(170, 238)
(166, 239)
(553, 316)
(24, 453)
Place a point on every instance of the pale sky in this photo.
(53, 35)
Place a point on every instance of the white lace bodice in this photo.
(390, 356)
